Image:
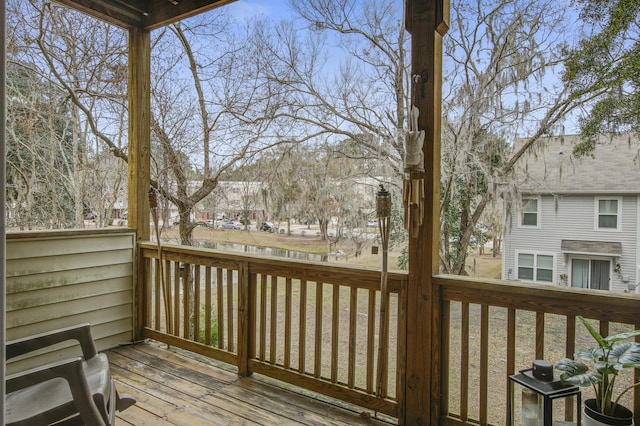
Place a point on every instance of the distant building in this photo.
(575, 221)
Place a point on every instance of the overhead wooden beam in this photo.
(427, 21)
(120, 13)
(165, 12)
(139, 130)
(149, 14)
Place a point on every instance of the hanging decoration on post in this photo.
(153, 206)
(413, 189)
(383, 210)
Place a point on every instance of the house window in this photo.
(530, 212)
(535, 267)
(608, 213)
(590, 273)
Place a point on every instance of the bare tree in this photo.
(78, 58)
(235, 111)
(345, 76)
(210, 107)
(500, 59)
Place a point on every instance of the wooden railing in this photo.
(313, 325)
(492, 329)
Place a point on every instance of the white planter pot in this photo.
(591, 417)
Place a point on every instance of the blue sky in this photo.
(269, 8)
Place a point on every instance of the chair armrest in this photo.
(81, 333)
(70, 370)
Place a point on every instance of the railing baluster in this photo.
(446, 357)
(570, 348)
(511, 352)
(196, 303)
(207, 306)
(167, 286)
(604, 328)
(335, 324)
(273, 312)
(353, 318)
(317, 364)
(636, 379)
(385, 352)
(220, 307)
(302, 328)
(263, 317)
(146, 302)
(371, 332)
(176, 300)
(484, 362)
(464, 363)
(287, 324)
(539, 335)
(247, 283)
(158, 297)
(230, 327)
(186, 299)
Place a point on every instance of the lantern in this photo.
(539, 388)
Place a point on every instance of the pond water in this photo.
(268, 251)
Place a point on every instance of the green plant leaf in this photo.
(577, 373)
(626, 353)
(601, 341)
(622, 336)
(592, 354)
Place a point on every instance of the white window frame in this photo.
(538, 215)
(596, 216)
(535, 265)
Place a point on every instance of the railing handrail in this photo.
(596, 304)
(308, 269)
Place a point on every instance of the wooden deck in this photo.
(174, 388)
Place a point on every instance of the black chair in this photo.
(77, 391)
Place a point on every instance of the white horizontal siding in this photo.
(60, 279)
(573, 218)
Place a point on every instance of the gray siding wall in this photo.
(571, 217)
(63, 278)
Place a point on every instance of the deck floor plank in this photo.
(173, 388)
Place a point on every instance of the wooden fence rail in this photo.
(304, 323)
(314, 325)
(493, 329)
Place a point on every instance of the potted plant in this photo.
(606, 360)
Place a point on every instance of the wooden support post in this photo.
(139, 130)
(247, 285)
(427, 21)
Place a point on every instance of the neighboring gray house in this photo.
(575, 221)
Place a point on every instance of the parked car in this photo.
(231, 225)
(266, 226)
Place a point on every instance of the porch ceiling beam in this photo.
(148, 14)
(122, 14)
(165, 12)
